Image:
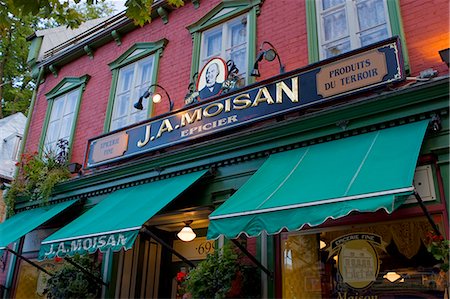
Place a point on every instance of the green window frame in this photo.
(222, 13)
(134, 54)
(67, 86)
(395, 21)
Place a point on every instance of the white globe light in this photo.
(186, 234)
(156, 98)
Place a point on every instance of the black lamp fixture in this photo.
(269, 54)
(445, 55)
(156, 97)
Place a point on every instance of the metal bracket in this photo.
(29, 261)
(427, 214)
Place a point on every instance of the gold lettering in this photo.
(166, 126)
(267, 97)
(188, 119)
(340, 296)
(227, 105)
(206, 112)
(291, 93)
(147, 137)
(242, 102)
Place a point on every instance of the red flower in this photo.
(181, 276)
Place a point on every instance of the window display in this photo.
(385, 260)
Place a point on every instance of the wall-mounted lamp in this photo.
(186, 234)
(445, 55)
(269, 54)
(156, 97)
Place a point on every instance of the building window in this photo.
(64, 101)
(133, 72)
(338, 26)
(61, 119)
(228, 40)
(346, 25)
(227, 31)
(131, 84)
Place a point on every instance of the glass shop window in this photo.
(386, 260)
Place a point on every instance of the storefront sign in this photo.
(115, 242)
(194, 250)
(357, 71)
(357, 259)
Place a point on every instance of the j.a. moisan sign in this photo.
(353, 72)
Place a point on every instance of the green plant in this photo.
(37, 176)
(68, 282)
(223, 274)
(439, 248)
(213, 276)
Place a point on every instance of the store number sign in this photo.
(197, 249)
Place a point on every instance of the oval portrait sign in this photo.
(211, 78)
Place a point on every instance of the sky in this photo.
(119, 5)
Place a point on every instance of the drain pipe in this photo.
(30, 113)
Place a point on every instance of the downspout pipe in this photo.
(30, 113)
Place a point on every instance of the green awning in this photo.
(22, 223)
(308, 185)
(114, 223)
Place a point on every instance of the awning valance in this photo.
(22, 223)
(308, 185)
(115, 222)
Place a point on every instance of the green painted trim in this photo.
(11, 270)
(162, 12)
(30, 114)
(64, 86)
(197, 43)
(112, 95)
(45, 126)
(312, 31)
(395, 19)
(196, 3)
(71, 82)
(116, 36)
(253, 13)
(89, 51)
(33, 53)
(53, 70)
(209, 20)
(238, 7)
(150, 104)
(106, 274)
(123, 60)
(148, 49)
(75, 121)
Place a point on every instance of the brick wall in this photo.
(281, 22)
(426, 26)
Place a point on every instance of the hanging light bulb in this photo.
(186, 234)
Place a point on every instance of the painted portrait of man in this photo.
(211, 78)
